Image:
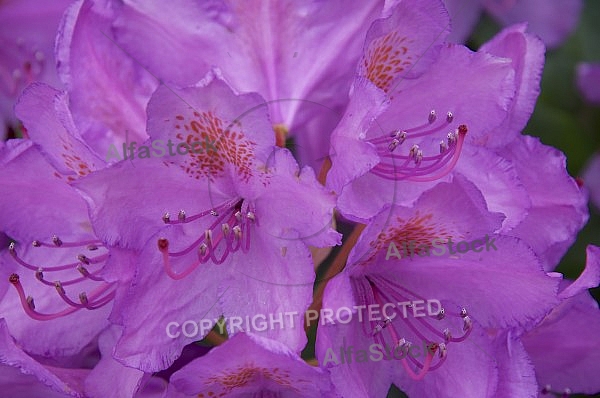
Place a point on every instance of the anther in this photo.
(432, 116)
(30, 302)
(208, 235)
(56, 240)
(214, 213)
(449, 117)
(92, 247)
(238, 215)
(419, 157)
(83, 258)
(447, 335)
(378, 329)
(166, 218)
(39, 274)
(237, 231)
(463, 312)
(36, 243)
(202, 249)
(441, 314)
(250, 216)
(82, 270)
(443, 350)
(83, 298)
(163, 244)
(443, 146)
(181, 215)
(393, 145)
(225, 228)
(11, 247)
(467, 323)
(59, 288)
(402, 343)
(451, 139)
(413, 151)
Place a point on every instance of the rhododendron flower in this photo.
(240, 216)
(553, 21)
(56, 262)
(456, 335)
(163, 231)
(250, 366)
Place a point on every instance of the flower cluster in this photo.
(313, 125)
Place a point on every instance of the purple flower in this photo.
(239, 218)
(250, 366)
(407, 129)
(553, 21)
(268, 48)
(26, 48)
(488, 100)
(588, 78)
(62, 272)
(398, 288)
(56, 257)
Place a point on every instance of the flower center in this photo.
(215, 144)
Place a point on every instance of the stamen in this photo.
(217, 241)
(28, 303)
(425, 168)
(181, 215)
(386, 291)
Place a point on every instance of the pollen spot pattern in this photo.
(250, 373)
(419, 229)
(385, 58)
(215, 144)
(74, 162)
